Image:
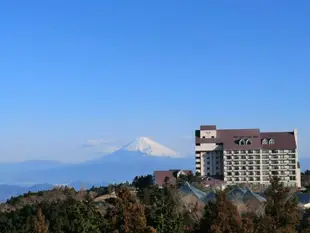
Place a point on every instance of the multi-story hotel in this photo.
(247, 155)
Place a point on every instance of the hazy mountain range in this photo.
(138, 157)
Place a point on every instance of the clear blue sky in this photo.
(77, 70)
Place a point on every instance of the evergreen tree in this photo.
(128, 215)
(281, 211)
(165, 215)
(305, 223)
(221, 216)
(142, 182)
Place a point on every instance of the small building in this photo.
(169, 176)
(210, 182)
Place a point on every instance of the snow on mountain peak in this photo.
(149, 147)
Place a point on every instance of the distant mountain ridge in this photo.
(8, 191)
(138, 157)
(29, 165)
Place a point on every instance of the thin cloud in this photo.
(97, 142)
(100, 146)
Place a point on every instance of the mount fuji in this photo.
(139, 157)
(149, 147)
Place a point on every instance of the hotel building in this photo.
(247, 155)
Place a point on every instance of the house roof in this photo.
(236, 194)
(186, 188)
(211, 181)
(249, 194)
(205, 197)
(160, 176)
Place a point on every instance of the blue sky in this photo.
(114, 70)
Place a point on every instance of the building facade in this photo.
(247, 155)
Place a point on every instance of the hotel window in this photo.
(265, 142)
(248, 142)
(242, 142)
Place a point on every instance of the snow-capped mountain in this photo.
(149, 147)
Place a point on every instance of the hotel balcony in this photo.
(253, 157)
(253, 163)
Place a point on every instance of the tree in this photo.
(165, 213)
(142, 182)
(186, 178)
(128, 214)
(281, 210)
(305, 223)
(221, 216)
(305, 180)
(40, 225)
(307, 173)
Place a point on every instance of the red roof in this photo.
(160, 176)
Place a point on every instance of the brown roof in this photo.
(208, 127)
(230, 138)
(171, 174)
(211, 181)
(283, 140)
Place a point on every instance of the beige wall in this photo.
(207, 133)
(206, 147)
(298, 175)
